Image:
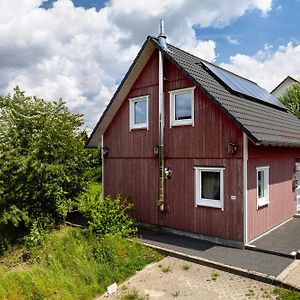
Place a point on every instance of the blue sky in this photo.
(248, 34)
(80, 50)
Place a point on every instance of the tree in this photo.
(42, 160)
(291, 99)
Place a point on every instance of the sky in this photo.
(80, 50)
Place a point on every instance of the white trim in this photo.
(263, 201)
(102, 171)
(245, 186)
(173, 93)
(297, 167)
(209, 202)
(131, 113)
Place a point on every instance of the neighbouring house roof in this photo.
(264, 124)
(283, 86)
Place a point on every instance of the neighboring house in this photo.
(228, 148)
(283, 86)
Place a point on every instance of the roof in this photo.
(287, 79)
(263, 124)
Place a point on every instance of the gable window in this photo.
(262, 186)
(209, 184)
(138, 112)
(182, 107)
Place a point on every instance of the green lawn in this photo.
(283, 294)
(70, 265)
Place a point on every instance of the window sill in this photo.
(182, 123)
(210, 203)
(138, 127)
(263, 204)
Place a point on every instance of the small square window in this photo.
(182, 107)
(262, 183)
(138, 112)
(209, 184)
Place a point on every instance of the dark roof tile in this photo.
(267, 125)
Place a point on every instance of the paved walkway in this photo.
(246, 259)
(284, 239)
(173, 277)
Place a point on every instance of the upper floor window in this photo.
(138, 112)
(262, 183)
(182, 107)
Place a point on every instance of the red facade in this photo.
(282, 206)
(132, 168)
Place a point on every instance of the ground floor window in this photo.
(209, 184)
(262, 186)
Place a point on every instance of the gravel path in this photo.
(173, 278)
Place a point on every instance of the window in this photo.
(182, 107)
(262, 183)
(209, 183)
(138, 112)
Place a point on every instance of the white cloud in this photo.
(232, 40)
(80, 54)
(268, 68)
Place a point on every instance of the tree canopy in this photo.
(291, 99)
(42, 160)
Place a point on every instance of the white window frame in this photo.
(173, 121)
(132, 101)
(263, 201)
(209, 202)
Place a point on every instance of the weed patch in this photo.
(283, 294)
(70, 264)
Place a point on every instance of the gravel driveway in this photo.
(173, 278)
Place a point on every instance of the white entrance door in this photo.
(298, 186)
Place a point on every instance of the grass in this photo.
(283, 294)
(132, 295)
(214, 276)
(186, 267)
(70, 265)
(166, 269)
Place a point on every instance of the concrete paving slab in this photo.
(173, 277)
(284, 239)
(291, 275)
(246, 259)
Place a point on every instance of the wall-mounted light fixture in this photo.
(232, 148)
(156, 150)
(105, 151)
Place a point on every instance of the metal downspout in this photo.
(161, 133)
(163, 44)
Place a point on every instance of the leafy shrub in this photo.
(291, 99)
(42, 158)
(107, 216)
(93, 169)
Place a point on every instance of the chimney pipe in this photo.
(162, 37)
(163, 44)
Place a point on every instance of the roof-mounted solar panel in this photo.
(243, 86)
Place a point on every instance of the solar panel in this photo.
(243, 86)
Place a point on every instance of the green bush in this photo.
(107, 216)
(43, 161)
(291, 99)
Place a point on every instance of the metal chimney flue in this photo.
(162, 37)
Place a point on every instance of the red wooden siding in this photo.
(132, 168)
(282, 204)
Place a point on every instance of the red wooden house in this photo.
(199, 149)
